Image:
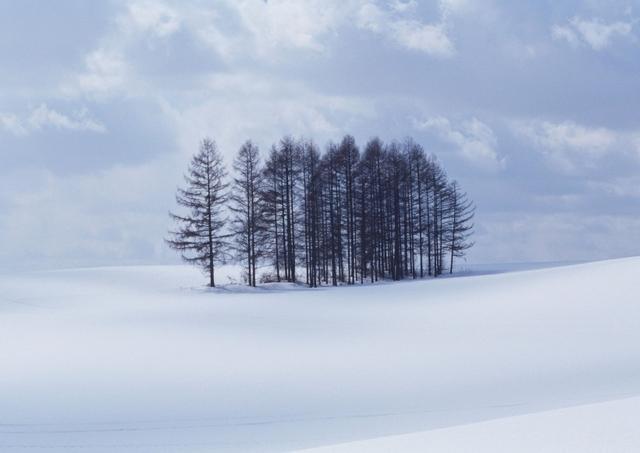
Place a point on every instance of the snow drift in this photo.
(143, 358)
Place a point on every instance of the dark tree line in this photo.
(344, 216)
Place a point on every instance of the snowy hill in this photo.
(144, 359)
(601, 427)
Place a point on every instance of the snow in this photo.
(146, 359)
(600, 427)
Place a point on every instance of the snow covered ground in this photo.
(599, 427)
(145, 359)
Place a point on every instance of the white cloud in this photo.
(569, 135)
(474, 141)
(403, 6)
(561, 32)
(154, 17)
(405, 30)
(290, 23)
(12, 123)
(242, 105)
(458, 6)
(571, 147)
(370, 17)
(107, 70)
(104, 74)
(282, 24)
(595, 33)
(245, 30)
(43, 117)
(260, 30)
(431, 39)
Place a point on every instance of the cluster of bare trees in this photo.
(344, 216)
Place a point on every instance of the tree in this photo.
(419, 167)
(312, 210)
(284, 176)
(349, 156)
(248, 222)
(272, 200)
(437, 218)
(373, 214)
(336, 217)
(199, 234)
(461, 216)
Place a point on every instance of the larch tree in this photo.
(248, 223)
(283, 177)
(199, 235)
(461, 212)
(337, 217)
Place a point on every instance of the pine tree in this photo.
(199, 234)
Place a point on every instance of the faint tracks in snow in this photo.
(22, 302)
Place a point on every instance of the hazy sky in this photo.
(534, 107)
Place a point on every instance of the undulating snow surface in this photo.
(145, 359)
(599, 427)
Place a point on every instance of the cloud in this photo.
(260, 29)
(279, 24)
(560, 32)
(43, 117)
(567, 145)
(241, 31)
(154, 17)
(104, 74)
(108, 70)
(406, 31)
(110, 216)
(403, 6)
(474, 141)
(595, 33)
(13, 124)
(569, 135)
(450, 7)
(561, 236)
(370, 17)
(269, 28)
(233, 30)
(623, 187)
(431, 39)
(242, 105)
(238, 69)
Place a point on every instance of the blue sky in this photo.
(531, 106)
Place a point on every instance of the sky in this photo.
(532, 106)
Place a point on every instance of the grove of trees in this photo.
(342, 216)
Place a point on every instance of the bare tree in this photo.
(199, 234)
(461, 217)
(247, 205)
(343, 216)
